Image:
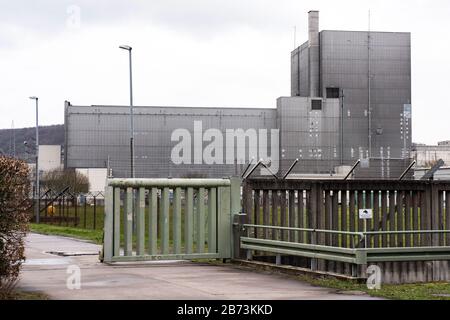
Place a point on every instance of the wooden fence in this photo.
(410, 222)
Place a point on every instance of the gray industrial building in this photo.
(96, 135)
(350, 100)
(370, 72)
(427, 155)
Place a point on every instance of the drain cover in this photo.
(72, 254)
(45, 262)
(353, 293)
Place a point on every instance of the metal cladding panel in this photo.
(295, 75)
(97, 133)
(345, 65)
(312, 136)
(300, 71)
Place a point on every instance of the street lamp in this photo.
(128, 48)
(37, 195)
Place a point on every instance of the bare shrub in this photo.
(58, 179)
(14, 216)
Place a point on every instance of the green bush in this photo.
(14, 209)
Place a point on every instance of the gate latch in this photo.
(237, 219)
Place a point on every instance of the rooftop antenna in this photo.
(295, 37)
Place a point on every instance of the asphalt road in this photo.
(51, 273)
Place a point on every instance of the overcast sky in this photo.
(218, 53)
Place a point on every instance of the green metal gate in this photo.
(169, 219)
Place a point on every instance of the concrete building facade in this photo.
(427, 155)
(49, 157)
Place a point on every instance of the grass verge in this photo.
(420, 291)
(95, 236)
(23, 295)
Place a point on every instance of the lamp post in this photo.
(37, 195)
(128, 48)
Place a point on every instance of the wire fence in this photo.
(369, 168)
(84, 211)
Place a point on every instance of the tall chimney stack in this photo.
(313, 44)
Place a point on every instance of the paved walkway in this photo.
(46, 272)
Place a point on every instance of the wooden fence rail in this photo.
(402, 213)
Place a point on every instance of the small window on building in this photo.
(316, 104)
(333, 93)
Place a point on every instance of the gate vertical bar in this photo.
(311, 206)
(400, 216)
(257, 214)
(212, 220)
(408, 218)
(275, 202)
(188, 221)
(376, 217)
(283, 220)
(128, 226)
(384, 217)
(235, 209)
(447, 216)
(140, 223)
(164, 221)
(392, 240)
(224, 210)
(344, 217)
(292, 217)
(266, 209)
(440, 210)
(327, 217)
(109, 224)
(153, 222)
(434, 213)
(177, 221)
(116, 221)
(300, 217)
(415, 221)
(201, 221)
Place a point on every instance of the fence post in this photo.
(224, 217)
(84, 213)
(74, 203)
(95, 212)
(435, 226)
(312, 219)
(236, 217)
(109, 225)
(60, 208)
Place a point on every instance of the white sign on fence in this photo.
(365, 213)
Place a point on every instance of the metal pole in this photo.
(342, 129)
(36, 209)
(290, 169)
(95, 213)
(254, 168)
(132, 173)
(407, 170)
(248, 167)
(270, 171)
(131, 118)
(352, 169)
